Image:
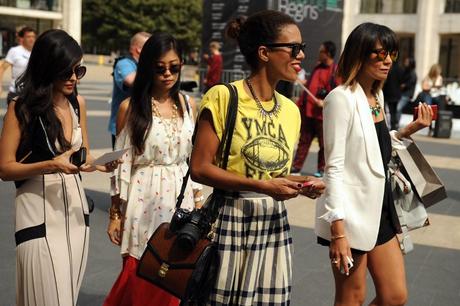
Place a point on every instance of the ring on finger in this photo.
(334, 261)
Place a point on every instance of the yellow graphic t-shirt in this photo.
(262, 147)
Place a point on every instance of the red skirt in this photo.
(131, 290)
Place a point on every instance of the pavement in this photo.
(433, 272)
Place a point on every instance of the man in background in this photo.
(17, 58)
(124, 73)
(215, 65)
(321, 82)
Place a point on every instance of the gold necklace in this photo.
(171, 127)
(375, 110)
(264, 113)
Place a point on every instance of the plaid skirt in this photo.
(255, 246)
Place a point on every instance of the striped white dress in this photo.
(52, 237)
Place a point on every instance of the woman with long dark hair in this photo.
(42, 128)
(252, 229)
(157, 122)
(356, 216)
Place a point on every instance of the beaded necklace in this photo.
(170, 126)
(375, 110)
(264, 113)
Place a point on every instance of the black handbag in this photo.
(181, 256)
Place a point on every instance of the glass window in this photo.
(452, 6)
(389, 6)
(46, 5)
(406, 46)
(449, 55)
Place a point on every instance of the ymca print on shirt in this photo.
(261, 147)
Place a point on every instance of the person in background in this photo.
(392, 93)
(124, 73)
(431, 85)
(252, 230)
(17, 58)
(214, 62)
(355, 216)
(157, 123)
(408, 83)
(43, 127)
(321, 82)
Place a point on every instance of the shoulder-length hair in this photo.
(53, 56)
(358, 47)
(140, 106)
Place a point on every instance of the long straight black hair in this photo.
(54, 54)
(140, 106)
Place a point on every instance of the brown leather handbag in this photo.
(181, 256)
(186, 275)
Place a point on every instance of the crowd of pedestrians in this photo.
(44, 145)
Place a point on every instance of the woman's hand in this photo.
(313, 188)
(281, 188)
(62, 163)
(424, 116)
(339, 249)
(108, 167)
(340, 253)
(114, 231)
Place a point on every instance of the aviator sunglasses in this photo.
(79, 71)
(295, 47)
(173, 69)
(382, 54)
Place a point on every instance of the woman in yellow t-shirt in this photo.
(252, 230)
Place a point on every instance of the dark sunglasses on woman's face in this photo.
(382, 54)
(295, 47)
(173, 69)
(79, 71)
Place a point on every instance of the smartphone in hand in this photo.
(433, 107)
(78, 158)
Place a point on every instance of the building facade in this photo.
(40, 15)
(429, 30)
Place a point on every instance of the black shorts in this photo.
(387, 228)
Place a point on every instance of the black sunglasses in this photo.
(79, 71)
(382, 54)
(295, 47)
(173, 69)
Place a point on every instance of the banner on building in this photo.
(318, 20)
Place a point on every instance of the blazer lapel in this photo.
(373, 154)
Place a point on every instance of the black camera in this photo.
(78, 158)
(189, 226)
(322, 93)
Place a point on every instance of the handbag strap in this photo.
(225, 144)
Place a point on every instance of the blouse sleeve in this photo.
(121, 176)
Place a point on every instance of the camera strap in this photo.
(223, 150)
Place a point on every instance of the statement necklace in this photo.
(264, 113)
(171, 127)
(375, 110)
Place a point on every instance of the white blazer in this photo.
(354, 173)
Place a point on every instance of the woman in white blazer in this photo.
(355, 215)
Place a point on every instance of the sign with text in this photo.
(318, 20)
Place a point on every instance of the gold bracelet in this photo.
(337, 237)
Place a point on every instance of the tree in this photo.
(109, 24)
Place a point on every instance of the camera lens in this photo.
(188, 236)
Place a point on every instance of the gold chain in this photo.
(171, 128)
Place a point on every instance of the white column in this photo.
(71, 21)
(427, 39)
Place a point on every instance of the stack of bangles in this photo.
(337, 237)
(114, 213)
